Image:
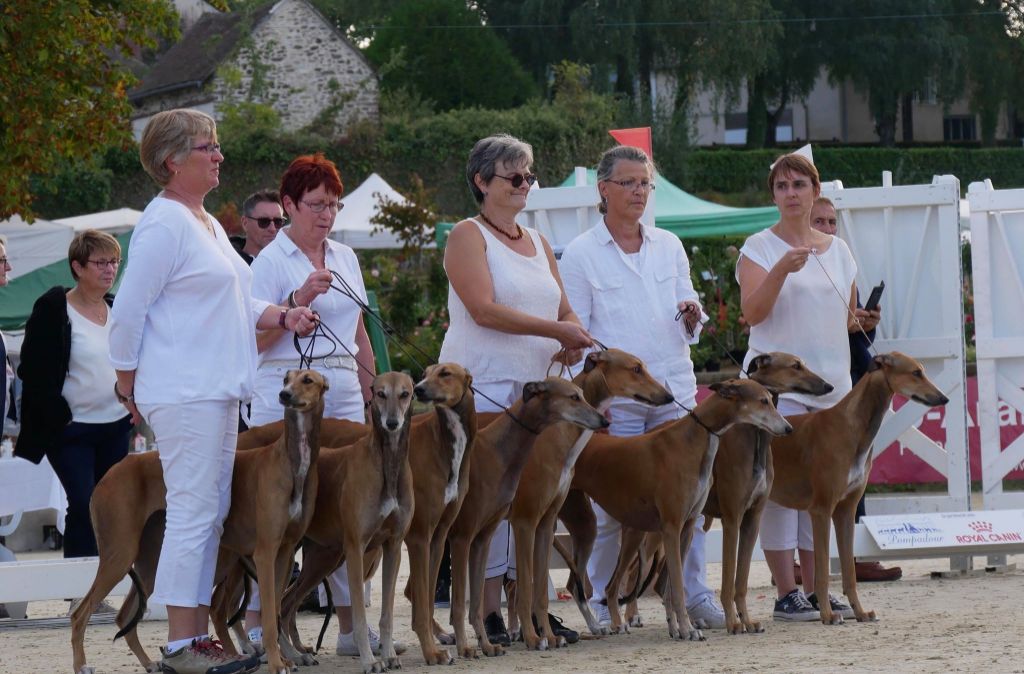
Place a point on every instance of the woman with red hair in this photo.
(296, 269)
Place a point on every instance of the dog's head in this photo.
(555, 399)
(906, 377)
(626, 376)
(303, 389)
(391, 405)
(444, 384)
(786, 373)
(752, 404)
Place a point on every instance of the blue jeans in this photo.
(86, 452)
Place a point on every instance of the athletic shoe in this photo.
(707, 614)
(874, 572)
(497, 633)
(795, 607)
(201, 657)
(838, 606)
(604, 618)
(347, 644)
(560, 630)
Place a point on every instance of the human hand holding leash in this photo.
(572, 335)
(317, 283)
(568, 356)
(793, 261)
(866, 320)
(301, 320)
(689, 311)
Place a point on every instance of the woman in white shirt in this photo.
(508, 313)
(791, 304)
(295, 269)
(627, 281)
(183, 343)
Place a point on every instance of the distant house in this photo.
(285, 54)
(191, 11)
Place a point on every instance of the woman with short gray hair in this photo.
(508, 312)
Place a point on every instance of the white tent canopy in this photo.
(353, 227)
(30, 247)
(114, 222)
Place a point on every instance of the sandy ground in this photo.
(970, 624)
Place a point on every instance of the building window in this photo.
(959, 127)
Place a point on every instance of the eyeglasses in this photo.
(263, 223)
(3, 261)
(633, 183)
(517, 179)
(208, 148)
(319, 206)
(103, 264)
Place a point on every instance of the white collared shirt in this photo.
(630, 302)
(281, 268)
(184, 318)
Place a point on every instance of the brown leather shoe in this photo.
(874, 572)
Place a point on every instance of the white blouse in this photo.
(809, 319)
(630, 302)
(89, 385)
(183, 317)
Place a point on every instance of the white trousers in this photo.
(344, 400)
(784, 528)
(628, 419)
(196, 442)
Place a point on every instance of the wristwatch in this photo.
(280, 319)
(121, 398)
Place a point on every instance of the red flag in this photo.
(639, 137)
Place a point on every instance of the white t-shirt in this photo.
(281, 268)
(89, 386)
(809, 319)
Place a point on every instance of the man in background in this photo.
(262, 217)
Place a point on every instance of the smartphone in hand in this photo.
(876, 295)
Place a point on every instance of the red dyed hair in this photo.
(308, 172)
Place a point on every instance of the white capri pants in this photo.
(784, 528)
(196, 443)
(628, 419)
(344, 400)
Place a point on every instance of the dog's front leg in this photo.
(524, 536)
(820, 525)
(687, 629)
(747, 539)
(265, 558)
(844, 519)
(423, 599)
(730, 545)
(360, 631)
(389, 569)
(477, 573)
(541, 562)
(460, 571)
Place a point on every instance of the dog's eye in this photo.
(576, 396)
(404, 395)
(638, 369)
(381, 395)
(918, 374)
(797, 366)
(307, 380)
(446, 373)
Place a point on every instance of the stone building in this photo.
(284, 54)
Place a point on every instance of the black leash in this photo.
(718, 342)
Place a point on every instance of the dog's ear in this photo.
(591, 361)
(327, 383)
(724, 389)
(881, 360)
(469, 379)
(764, 360)
(533, 388)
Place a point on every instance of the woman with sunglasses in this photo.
(509, 315)
(303, 267)
(629, 283)
(68, 409)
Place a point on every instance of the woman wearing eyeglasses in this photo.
(508, 313)
(628, 281)
(69, 411)
(297, 268)
(183, 344)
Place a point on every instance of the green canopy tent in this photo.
(688, 217)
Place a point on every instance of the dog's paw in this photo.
(374, 667)
(493, 650)
(86, 669)
(694, 634)
(394, 663)
(636, 621)
(754, 627)
(560, 642)
(307, 660)
(867, 617)
(440, 656)
(600, 631)
(736, 628)
(469, 653)
(835, 619)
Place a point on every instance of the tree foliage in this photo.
(63, 83)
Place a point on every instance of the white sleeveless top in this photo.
(808, 319)
(521, 283)
(89, 385)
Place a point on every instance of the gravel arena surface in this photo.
(970, 624)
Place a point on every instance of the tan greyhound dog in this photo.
(499, 457)
(659, 481)
(548, 474)
(439, 449)
(272, 493)
(363, 509)
(823, 466)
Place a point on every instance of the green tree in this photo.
(448, 56)
(62, 84)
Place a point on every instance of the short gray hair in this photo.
(168, 135)
(606, 164)
(501, 147)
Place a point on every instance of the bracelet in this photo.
(291, 300)
(121, 398)
(280, 319)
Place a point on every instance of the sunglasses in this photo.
(263, 223)
(517, 179)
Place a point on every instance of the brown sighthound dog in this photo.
(272, 492)
(499, 457)
(548, 474)
(659, 481)
(823, 466)
(363, 509)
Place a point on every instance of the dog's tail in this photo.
(246, 590)
(140, 608)
(641, 587)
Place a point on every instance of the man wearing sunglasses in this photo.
(262, 217)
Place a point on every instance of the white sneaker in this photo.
(604, 619)
(347, 644)
(707, 614)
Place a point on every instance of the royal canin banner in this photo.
(898, 465)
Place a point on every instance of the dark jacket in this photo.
(45, 358)
(860, 353)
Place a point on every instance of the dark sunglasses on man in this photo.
(263, 223)
(517, 179)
